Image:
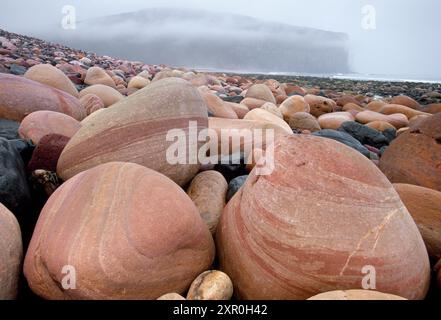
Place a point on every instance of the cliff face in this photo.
(203, 39)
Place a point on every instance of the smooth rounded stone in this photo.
(364, 134)
(49, 75)
(356, 295)
(397, 120)
(389, 109)
(14, 189)
(211, 285)
(334, 120)
(261, 92)
(425, 207)
(138, 82)
(252, 103)
(272, 108)
(240, 109)
(208, 190)
(9, 129)
(344, 138)
(376, 105)
(125, 240)
(217, 106)
(414, 157)
(135, 130)
(291, 89)
(320, 105)
(107, 94)
(92, 103)
(304, 121)
(171, 297)
(20, 97)
(352, 106)
(380, 125)
(11, 254)
(294, 105)
(40, 123)
(47, 152)
(265, 116)
(235, 185)
(240, 130)
(97, 75)
(314, 224)
(406, 101)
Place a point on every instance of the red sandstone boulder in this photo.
(261, 92)
(11, 252)
(136, 129)
(128, 231)
(376, 105)
(406, 101)
(97, 75)
(293, 105)
(425, 207)
(107, 94)
(92, 103)
(40, 123)
(415, 156)
(395, 108)
(208, 190)
(217, 106)
(312, 225)
(20, 97)
(47, 153)
(320, 105)
(397, 120)
(304, 121)
(334, 120)
(53, 77)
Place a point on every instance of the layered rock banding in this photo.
(294, 250)
(125, 240)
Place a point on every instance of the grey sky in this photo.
(406, 40)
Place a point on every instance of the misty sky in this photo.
(406, 40)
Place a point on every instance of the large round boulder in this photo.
(20, 97)
(11, 252)
(137, 130)
(320, 105)
(40, 123)
(49, 75)
(124, 231)
(314, 224)
(415, 156)
(293, 105)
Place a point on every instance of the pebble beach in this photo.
(92, 208)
